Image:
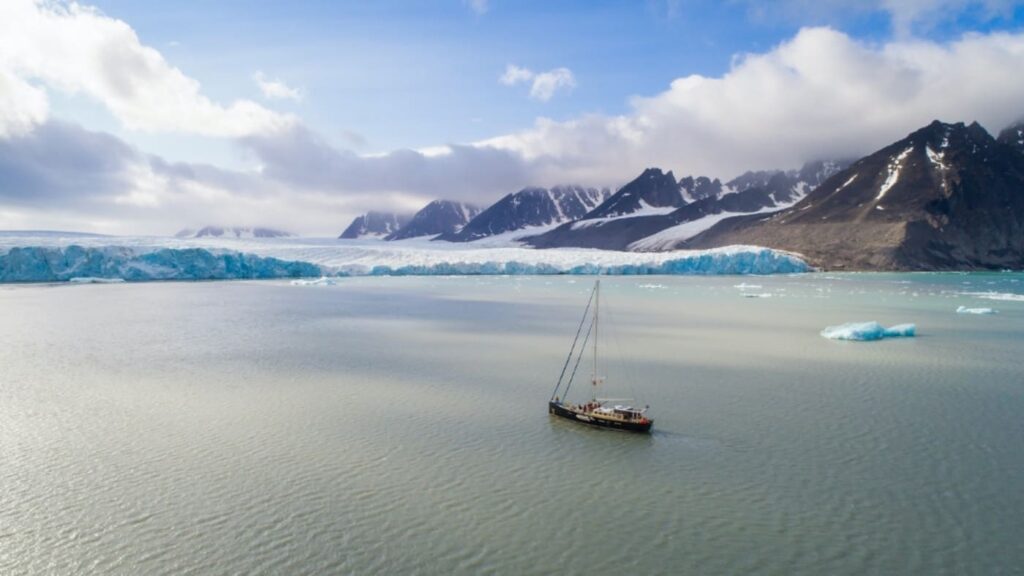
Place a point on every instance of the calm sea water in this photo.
(399, 426)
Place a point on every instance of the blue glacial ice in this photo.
(140, 259)
(966, 310)
(865, 331)
(57, 264)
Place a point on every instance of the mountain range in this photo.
(637, 216)
(438, 217)
(530, 208)
(947, 196)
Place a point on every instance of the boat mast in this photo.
(597, 305)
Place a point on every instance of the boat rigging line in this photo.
(573, 349)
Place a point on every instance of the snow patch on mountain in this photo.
(894, 173)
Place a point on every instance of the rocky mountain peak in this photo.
(437, 217)
(529, 208)
(652, 188)
(374, 224)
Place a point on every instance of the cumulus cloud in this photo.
(820, 94)
(22, 105)
(275, 89)
(543, 85)
(78, 50)
(302, 159)
(60, 175)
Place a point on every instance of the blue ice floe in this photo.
(966, 310)
(865, 331)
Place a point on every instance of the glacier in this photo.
(56, 258)
(80, 264)
(867, 331)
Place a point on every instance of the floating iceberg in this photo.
(322, 281)
(43, 258)
(864, 331)
(966, 310)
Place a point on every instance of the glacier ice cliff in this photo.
(55, 264)
(45, 259)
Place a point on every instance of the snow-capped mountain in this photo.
(947, 196)
(649, 192)
(232, 232)
(374, 225)
(530, 208)
(654, 212)
(438, 217)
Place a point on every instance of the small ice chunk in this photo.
(745, 286)
(966, 310)
(901, 331)
(757, 295)
(322, 281)
(866, 331)
(1003, 296)
(652, 286)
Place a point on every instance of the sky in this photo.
(127, 117)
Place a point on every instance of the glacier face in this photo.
(53, 259)
(55, 264)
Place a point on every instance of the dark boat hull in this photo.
(558, 409)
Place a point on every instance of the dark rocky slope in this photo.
(530, 207)
(654, 202)
(947, 196)
(438, 217)
(374, 225)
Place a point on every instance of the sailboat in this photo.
(599, 412)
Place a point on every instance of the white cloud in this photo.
(547, 83)
(543, 85)
(273, 89)
(477, 6)
(22, 105)
(515, 74)
(78, 50)
(820, 94)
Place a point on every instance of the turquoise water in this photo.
(398, 425)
